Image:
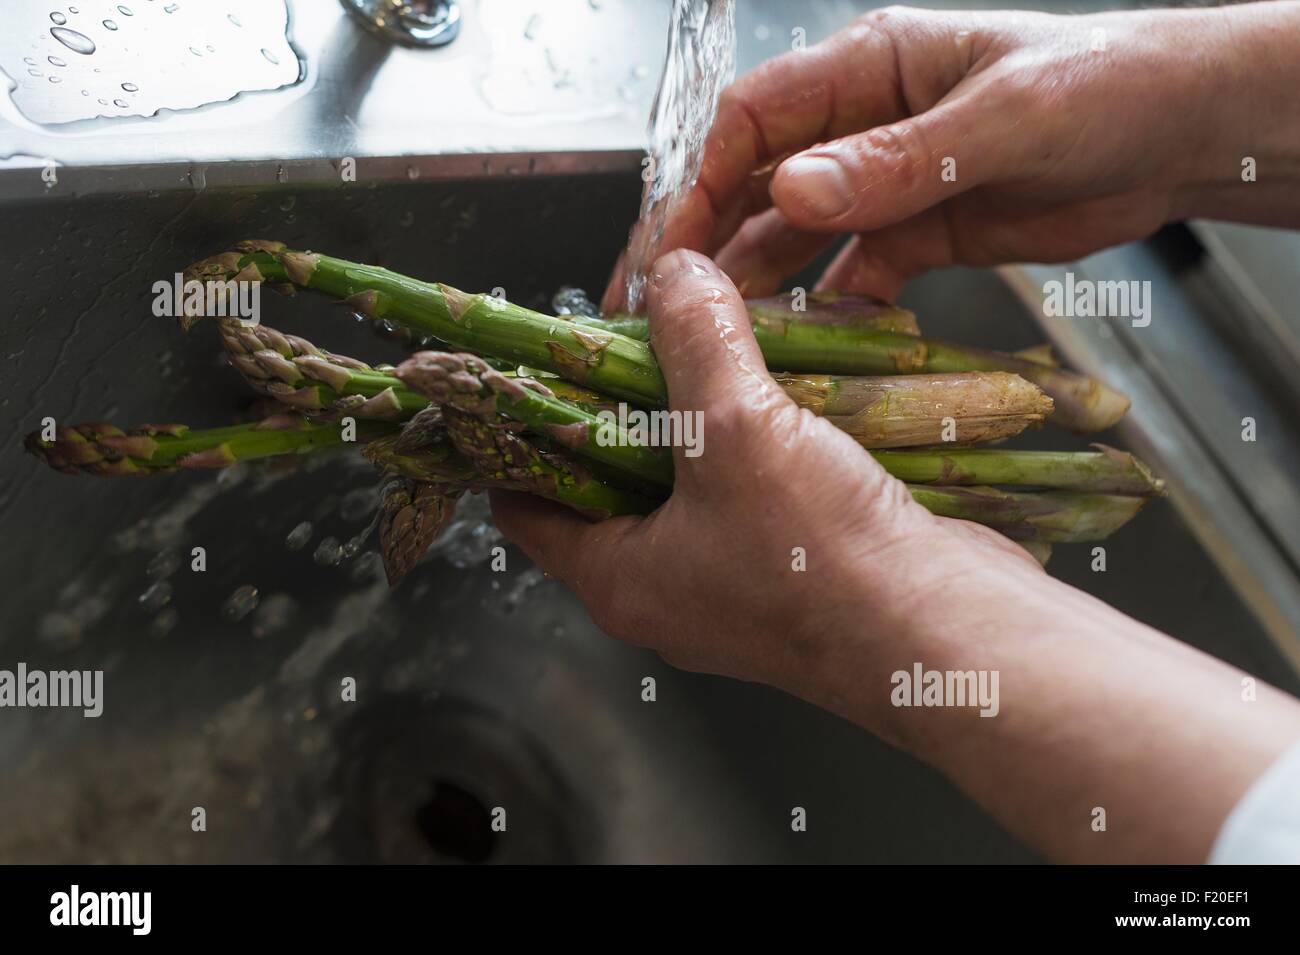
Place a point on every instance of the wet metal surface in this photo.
(475, 689)
(77, 62)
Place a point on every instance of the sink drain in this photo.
(453, 782)
(456, 823)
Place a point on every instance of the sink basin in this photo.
(475, 691)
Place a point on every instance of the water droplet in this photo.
(273, 615)
(103, 102)
(328, 552)
(412, 173)
(164, 623)
(195, 51)
(29, 61)
(35, 73)
(233, 19)
(73, 10)
(157, 596)
(130, 87)
(56, 61)
(241, 603)
(298, 537)
(85, 92)
(171, 8)
(271, 57)
(125, 11)
(110, 25)
(55, 79)
(287, 204)
(58, 18)
(121, 104)
(164, 564)
(531, 27)
(74, 41)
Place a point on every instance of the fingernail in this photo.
(821, 183)
(670, 264)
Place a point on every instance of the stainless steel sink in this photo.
(475, 689)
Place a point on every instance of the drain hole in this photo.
(456, 823)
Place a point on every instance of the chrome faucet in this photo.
(409, 22)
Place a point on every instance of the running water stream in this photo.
(701, 61)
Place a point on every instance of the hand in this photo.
(721, 552)
(970, 138)
(1127, 719)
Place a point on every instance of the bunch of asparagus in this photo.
(513, 398)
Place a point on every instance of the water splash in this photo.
(240, 603)
(298, 537)
(701, 61)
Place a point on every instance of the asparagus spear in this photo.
(294, 371)
(481, 323)
(489, 455)
(1051, 516)
(1107, 471)
(411, 517)
(1081, 403)
(99, 448)
(778, 313)
(880, 412)
(512, 466)
(466, 383)
(895, 411)
(623, 366)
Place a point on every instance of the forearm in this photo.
(1244, 166)
(1094, 711)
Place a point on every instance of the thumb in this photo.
(700, 331)
(890, 173)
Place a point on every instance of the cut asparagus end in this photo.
(894, 411)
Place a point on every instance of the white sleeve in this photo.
(1264, 828)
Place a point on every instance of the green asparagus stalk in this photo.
(894, 411)
(466, 383)
(494, 461)
(776, 314)
(1081, 403)
(1107, 471)
(411, 516)
(102, 449)
(486, 455)
(611, 363)
(623, 366)
(1051, 516)
(880, 412)
(295, 372)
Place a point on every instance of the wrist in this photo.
(940, 601)
(1240, 68)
